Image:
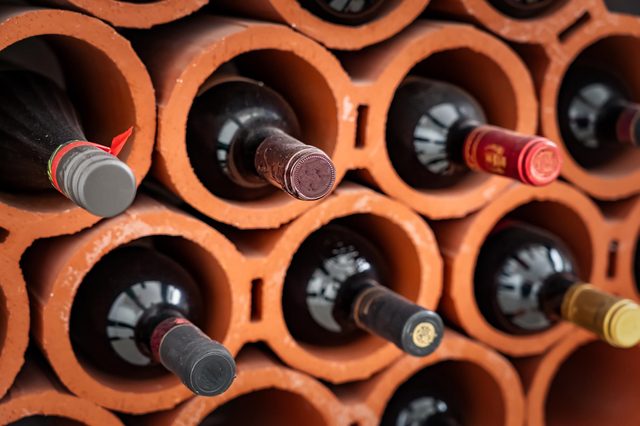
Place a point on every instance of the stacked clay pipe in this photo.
(143, 64)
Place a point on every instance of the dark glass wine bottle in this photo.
(44, 146)
(526, 280)
(436, 134)
(333, 290)
(344, 12)
(136, 311)
(597, 116)
(524, 9)
(242, 142)
(429, 398)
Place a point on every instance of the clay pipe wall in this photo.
(109, 85)
(263, 391)
(558, 208)
(38, 393)
(393, 16)
(607, 38)
(581, 381)
(445, 51)
(623, 232)
(56, 267)
(182, 57)
(14, 320)
(487, 386)
(540, 29)
(130, 14)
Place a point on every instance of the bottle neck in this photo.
(620, 123)
(147, 324)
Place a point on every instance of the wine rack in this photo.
(142, 64)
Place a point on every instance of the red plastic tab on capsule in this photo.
(117, 143)
(532, 160)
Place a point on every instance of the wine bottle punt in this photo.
(429, 398)
(524, 9)
(344, 12)
(597, 116)
(333, 291)
(242, 141)
(437, 133)
(135, 315)
(44, 147)
(526, 280)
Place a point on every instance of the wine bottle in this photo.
(137, 310)
(242, 142)
(429, 398)
(333, 290)
(597, 117)
(524, 9)
(344, 12)
(526, 280)
(44, 147)
(436, 133)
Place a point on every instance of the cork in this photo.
(558, 208)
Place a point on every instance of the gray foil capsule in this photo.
(96, 181)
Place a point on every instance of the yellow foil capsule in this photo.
(616, 320)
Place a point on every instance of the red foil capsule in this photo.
(532, 160)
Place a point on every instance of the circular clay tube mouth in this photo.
(213, 285)
(487, 79)
(610, 51)
(272, 406)
(607, 394)
(404, 271)
(135, 13)
(558, 209)
(469, 390)
(103, 77)
(206, 254)
(414, 271)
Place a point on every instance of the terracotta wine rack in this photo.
(132, 14)
(114, 92)
(36, 392)
(393, 16)
(567, 213)
(244, 289)
(581, 381)
(607, 37)
(240, 252)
